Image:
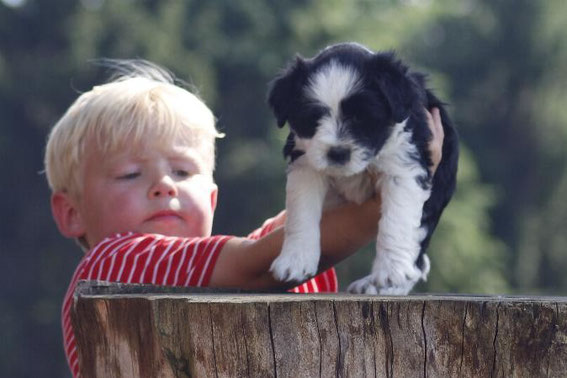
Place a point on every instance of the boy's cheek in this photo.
(118, 210)
(200, 192)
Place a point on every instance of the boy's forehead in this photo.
(147, 150)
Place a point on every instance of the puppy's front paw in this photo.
(364, 285)
(369, 285)
(389, 277)
(296, 262)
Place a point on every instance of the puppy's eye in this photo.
(305, 119)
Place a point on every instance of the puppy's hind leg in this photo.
(299, 258)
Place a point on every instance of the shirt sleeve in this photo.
(154, 259)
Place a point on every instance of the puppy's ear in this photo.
(284, 91)
(394, 81)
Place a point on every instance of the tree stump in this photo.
(147, 331)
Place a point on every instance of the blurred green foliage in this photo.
(499, 64)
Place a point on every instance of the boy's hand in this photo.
(436, 142)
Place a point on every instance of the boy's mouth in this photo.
(164, 215)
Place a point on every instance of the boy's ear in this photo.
(66, 215)
(214, 196)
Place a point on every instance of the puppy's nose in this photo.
(338, 155)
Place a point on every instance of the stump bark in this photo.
(144, 331)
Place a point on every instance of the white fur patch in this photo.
(328, 87)
(332, 83)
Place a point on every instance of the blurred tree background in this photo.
(499, 64)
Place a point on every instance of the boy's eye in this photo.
(129, 176)
(181, 173)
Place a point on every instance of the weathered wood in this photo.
(133, 330)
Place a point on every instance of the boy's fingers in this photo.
(437, 124)
(279, 220)
(436, 143)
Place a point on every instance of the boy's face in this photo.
(167, 191)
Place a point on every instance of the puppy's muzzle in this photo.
(338, 155)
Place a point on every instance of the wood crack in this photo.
(213, 340)
(494, 341)
(320, 341)
(424, 340)
(340, 356)
(384, 323)
(270, 327)
(373, 328)
(555, 328)
(245, 343)
(463, 339)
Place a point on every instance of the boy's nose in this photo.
(164, 187)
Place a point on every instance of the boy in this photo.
(130, 167)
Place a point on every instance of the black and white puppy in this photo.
(354, 116)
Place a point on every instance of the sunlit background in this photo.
(500, 65)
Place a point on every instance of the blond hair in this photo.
(141, 105)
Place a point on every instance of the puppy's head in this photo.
(342, 105)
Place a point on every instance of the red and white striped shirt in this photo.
(159, 260)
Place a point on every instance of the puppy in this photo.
(354, 116)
